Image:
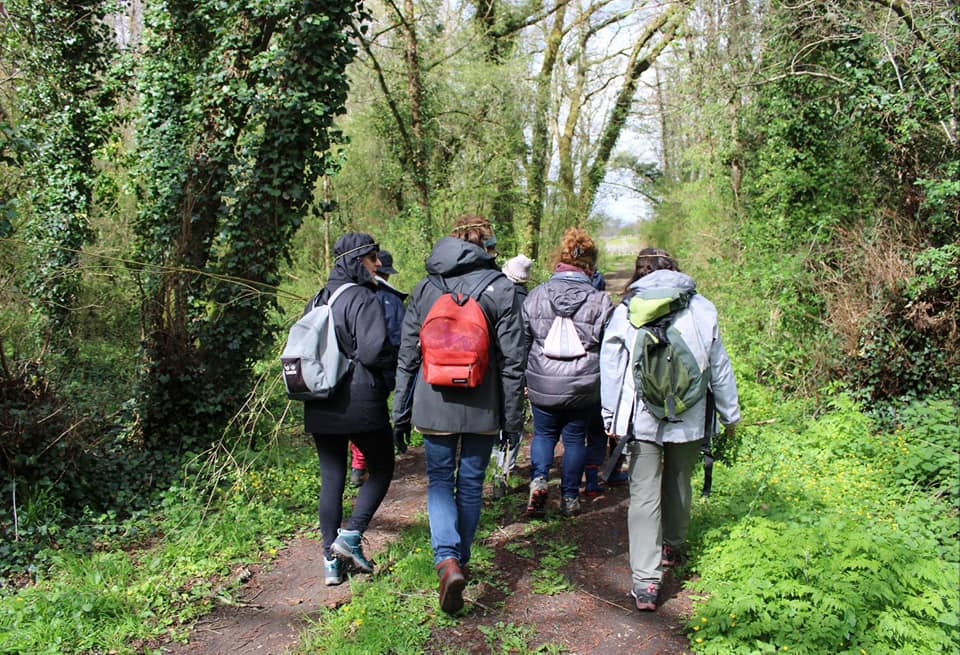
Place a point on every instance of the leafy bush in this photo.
(820, 538)
(833, 586)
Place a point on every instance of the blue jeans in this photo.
(549, 426)
(455, 491)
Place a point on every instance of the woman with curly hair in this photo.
(563, 374)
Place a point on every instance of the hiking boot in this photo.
(538, 498)
(570, 506)
(451, 586)
(347, 546)
(646, 597)
(332, 571)
(499, 488)
(669, 556)
(357, 477)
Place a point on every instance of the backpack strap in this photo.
(336, 294)
(485, 281)
(333, 296)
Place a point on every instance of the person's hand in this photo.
(729, 431)
(509, 440)
(401, 437)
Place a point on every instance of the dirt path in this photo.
(597, 618)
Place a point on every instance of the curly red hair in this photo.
(578, 249)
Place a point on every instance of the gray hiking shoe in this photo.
(347, 546)
(570, 506)
(332, 571)
(536, 506)
(646, 596)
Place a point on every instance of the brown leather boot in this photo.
(452, 583)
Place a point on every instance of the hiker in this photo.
(393, 310)
(460, 424)
(662, 452)
(357, 410)
(517, 270)
(563, 379)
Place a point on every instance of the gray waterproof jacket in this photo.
(565, 383)
(623, 413)
(497, 403)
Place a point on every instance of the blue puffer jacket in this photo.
(565, 383)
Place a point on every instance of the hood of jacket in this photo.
(453, 256)
(664, 279)
(347, 265)
(567, 291)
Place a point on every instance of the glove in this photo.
(401, 437)
(509, 440)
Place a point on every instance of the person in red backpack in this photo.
(458, 407)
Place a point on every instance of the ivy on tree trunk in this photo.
(238, 107)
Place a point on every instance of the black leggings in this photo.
(377, 448)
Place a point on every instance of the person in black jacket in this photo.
(517, 270)
(357, 410)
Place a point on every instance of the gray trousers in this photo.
(660, 497)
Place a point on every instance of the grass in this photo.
(810, 545)
(120, 597)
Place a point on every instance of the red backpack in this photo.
(455, 337)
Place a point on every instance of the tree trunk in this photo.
(421, 177)
(540, 150)
(666, 24)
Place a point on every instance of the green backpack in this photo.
(668, 377)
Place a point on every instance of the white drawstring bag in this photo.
(562, 340)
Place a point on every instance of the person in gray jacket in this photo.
(662, 453)
(459, 424)
(563, 380)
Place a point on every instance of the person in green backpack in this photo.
(660, 354)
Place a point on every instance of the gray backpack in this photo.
(313, 363)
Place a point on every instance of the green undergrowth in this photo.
(397, 611)
(156, 574)
(831, 533)
(395, 607)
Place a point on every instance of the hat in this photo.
(518, 268)
(386, 264)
